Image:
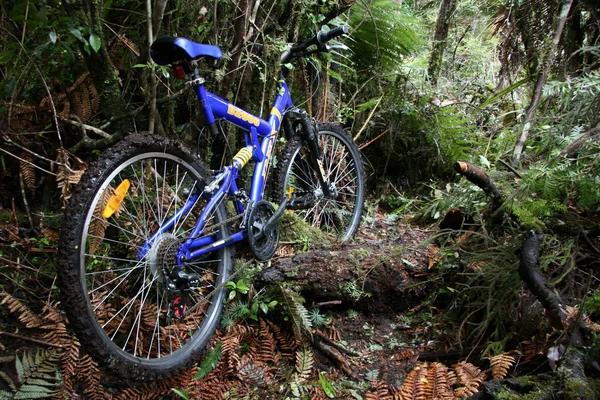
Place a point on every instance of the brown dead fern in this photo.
(267, 350)
(27, 171)
(412, 388)
(66, 175)
(470, 377)
(380, 391)
(24, 313)
(98, 225)
(501, 364)
(286, 342)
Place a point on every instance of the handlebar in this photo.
(319, 40)
(325, 36)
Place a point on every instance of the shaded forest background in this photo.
(479, 123)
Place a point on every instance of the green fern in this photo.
(304, 364)
(456, 133)
(301, 323)
(37, 375)
(387, 31)
(210, 362)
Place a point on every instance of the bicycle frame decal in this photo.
(243, 115)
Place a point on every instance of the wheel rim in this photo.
(337, 214)
(128, 299)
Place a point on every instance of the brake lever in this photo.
(339, 46)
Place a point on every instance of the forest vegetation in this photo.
(476, 269)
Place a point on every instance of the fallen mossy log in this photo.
(368, 277)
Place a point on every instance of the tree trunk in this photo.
(541, 79)
(447, 9)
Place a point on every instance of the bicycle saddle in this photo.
(169, 50)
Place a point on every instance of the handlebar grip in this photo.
(325, 36)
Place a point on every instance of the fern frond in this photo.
(27, 171)
(412, 387)
(267, 350)
(379, 392)
(98, 224)
(286, 342)
(470, 377)
(386, 31)
(304, 363)
(441, 382)
(9, 382)
(25, 315)
(88, 375)
(231, 358)
(38, 375)
(501, 364)
(210, 362)
(299, 315)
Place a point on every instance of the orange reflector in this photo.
(116, 199)
(290, 192)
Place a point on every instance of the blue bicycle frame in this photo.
(260, 139)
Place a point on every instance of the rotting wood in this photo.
(362, 277)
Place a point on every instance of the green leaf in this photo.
(242, 287)
(52, 35)
(230, 285)
(6, 56)
(77, 33)
(369, 104)
(484, 161)
(327, 388)
(95, 42)
(181, 393)
(506, 91)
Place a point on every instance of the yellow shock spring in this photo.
(243, 156)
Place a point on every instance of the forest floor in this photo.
(367, 336)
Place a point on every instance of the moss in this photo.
(297, 230)
(576, 388)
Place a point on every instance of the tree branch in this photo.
(573, 148)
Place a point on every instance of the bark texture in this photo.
(366, 277)
(447, 9)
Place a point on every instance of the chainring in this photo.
(262, 243)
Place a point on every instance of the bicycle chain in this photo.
(213, 228)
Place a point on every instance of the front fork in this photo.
(311, 138)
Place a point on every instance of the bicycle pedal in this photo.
(300, 202)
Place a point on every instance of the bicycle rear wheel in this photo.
(338, 214)
(115, 279)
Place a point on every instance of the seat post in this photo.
(198, 83)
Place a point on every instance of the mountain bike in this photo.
(145, 248)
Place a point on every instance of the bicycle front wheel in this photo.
(115, 269)
(340, 212)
